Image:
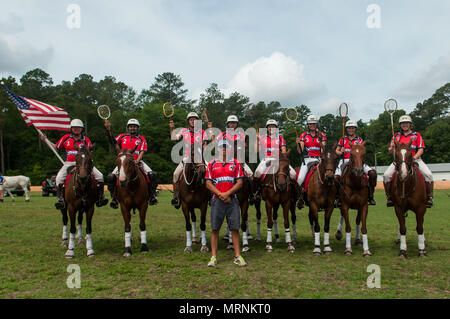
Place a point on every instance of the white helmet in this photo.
(351, 124)
(312, 119)
(76, 123)
(192, 114)
(232, 118)
(405, 118)
(271, 122)
(133, 122)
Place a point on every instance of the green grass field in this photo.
(32, 263)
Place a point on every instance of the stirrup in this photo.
(60, 204)
(389, 202)
(114, 203)
(429, 203)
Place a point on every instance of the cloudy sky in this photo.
(318, 53)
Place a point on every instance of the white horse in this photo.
(11, 182)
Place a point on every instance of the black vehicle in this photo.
(49, 186)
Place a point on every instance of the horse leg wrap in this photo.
(421, 240)
(365, 242)
(72, 241)
(203, 235)
(127, 239)
(244, 239)
(188, 239)
(88, 242)
(64, 233)
(287, 233)
(269, 235)
(144, 237)
(348, 239)
(402, 242)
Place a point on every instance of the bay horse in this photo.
(194, 194)
(354, 193)
(321, 193)
(276, 191)
(132, 194)
(80, 196)
(408, 193)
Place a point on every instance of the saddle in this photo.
(71, 170)
(415, 168)
(310, 169)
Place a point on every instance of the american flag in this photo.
(43, 116)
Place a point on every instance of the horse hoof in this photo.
(278, 240)
(144, 248)
(348, 252)
(127, 252)
(64, 243)
(338, 235)
(402, 254)
(422, 253)
(317, 252)
(397, 242)
(258, 238)
(225, 238)
(249, 237)
(188, 250)
(204, 249)
(230, 247)
(291, 249)
(367, 254)
(70, 253)
(90, 253)
(269, 248)
(358, 242)
(195, 241)
(27, 200)
(245, 249)
(327, 250)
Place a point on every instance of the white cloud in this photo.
(426, 81)
(274, 78)
(16, 55)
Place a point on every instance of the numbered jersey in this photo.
(415, 137)
(224, 175)
(346, 142)
(68, 143)
(271, 145)
(190, 138)
(128, 142)
(312, 143)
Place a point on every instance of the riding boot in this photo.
(176, 201)
(60, 204)
(300, 201)
(387, 190)
(372, 185)
(152, 188)
(101, 200)
(256, 189)
(429, 188)
(251, 191)
(111, 182)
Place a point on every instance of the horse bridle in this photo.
(196, 166)
(88, 181)
(128, 155)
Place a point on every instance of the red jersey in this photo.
(68, 142)
(312, 144)
(224, 175)
(238, 137)
(271, 145)
(128, 142)
(417, 140)
(191, 137)
(346, 142)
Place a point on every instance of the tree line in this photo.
(22, 152)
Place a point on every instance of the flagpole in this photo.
(49, 145)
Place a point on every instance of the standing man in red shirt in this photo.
(417, 148)
(224, 178)
(68, 143)
(129, 141)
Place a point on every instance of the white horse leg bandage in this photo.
(287, 233)
(269, 235)
(64, 233)
(188, 239)
(88, 242)
(128, 239)
(341, 221)
(402, 242)
(348, 239)
(317, 239)
(358, 231)
(365, 242)
(144, 237)
(203, 234)
(244, 239)
(72, 241)
(421, 239)
(194, 230)
(326, 239)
